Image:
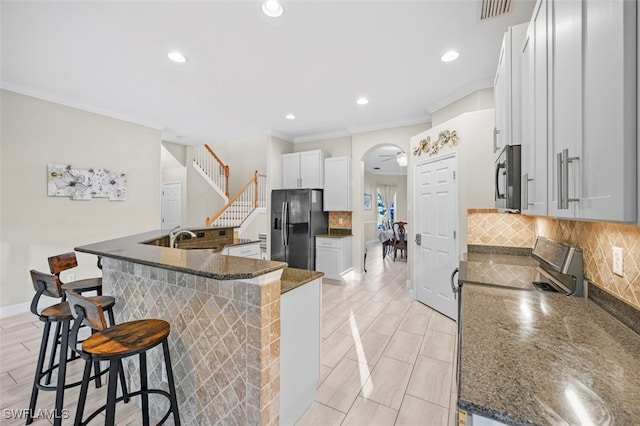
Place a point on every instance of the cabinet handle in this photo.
(565, 179)
(568, 160)
(495, 139)
(563, 160)
(559, 180)
(525, 191)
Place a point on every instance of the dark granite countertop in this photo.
(546, 359)
(198, 262)
(293, 278)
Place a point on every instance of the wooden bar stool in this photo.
(60, 314)
(61, 263)
(65, 261)
(113, 344)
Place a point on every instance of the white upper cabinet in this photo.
(534, 113)
(337, 184)
(303, 169)
(608, 182)
(507, 89)
(290, 170)
(592, 143)
(565, 106)
(579, 107)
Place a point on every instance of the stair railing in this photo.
(252, 195)
(213, 167)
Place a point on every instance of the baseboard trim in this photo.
(20, 308)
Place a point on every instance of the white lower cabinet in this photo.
(333, 256)
(251, 250)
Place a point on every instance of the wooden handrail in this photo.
(224, 166)
(254, 179)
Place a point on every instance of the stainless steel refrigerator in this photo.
(296, 218)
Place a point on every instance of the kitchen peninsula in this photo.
(226, 342)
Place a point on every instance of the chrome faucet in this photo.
(175, 233)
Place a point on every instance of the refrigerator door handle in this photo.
(285, 223)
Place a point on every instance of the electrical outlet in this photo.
(618, 261)
(71, 277)
(340, 220)
(164, 373)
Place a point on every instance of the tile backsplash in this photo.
(334, 220)
(596, 239)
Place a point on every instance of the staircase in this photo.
(212, 169)
(240, 209)
(250, 198)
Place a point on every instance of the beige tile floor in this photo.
(386, 359)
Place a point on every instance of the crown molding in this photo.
(61, 100)
(474, 86)
(391, 125)
(282, 136)
(322, 136)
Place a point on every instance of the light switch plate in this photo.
(618, 261)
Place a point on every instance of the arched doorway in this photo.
(385, 184)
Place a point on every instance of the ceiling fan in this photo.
(390, 156)
(399, 156)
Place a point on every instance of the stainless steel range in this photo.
(552, 267)
(561, 268)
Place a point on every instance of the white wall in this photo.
(276, 148)
(336, 147)
(370, 217)
(34, 226)
(173, 165)
(476, 101)
(244, 157)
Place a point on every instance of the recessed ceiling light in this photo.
(451, 55)
(362, 101)
(176, 56)
(290, 117)
(272, 8)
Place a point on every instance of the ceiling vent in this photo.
(493, 8)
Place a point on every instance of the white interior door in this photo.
(436, 219)
(171, 205)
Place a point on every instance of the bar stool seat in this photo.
(127, 339)
(113, 344)
(62, 311)
(84, 285)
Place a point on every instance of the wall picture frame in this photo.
(367, 202)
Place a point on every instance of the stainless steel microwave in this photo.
(508, 179)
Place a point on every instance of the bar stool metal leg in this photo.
(39, 368)
(83, 393)
(56, 334)
(144, 387)
(62, 371)
(172, 387)
(114, 365)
